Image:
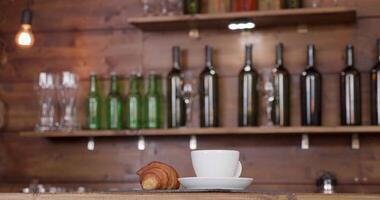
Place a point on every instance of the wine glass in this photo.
(45, 90)
(67, 93)
(189, 93)
(268, 89)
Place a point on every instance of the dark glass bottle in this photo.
(152, 103)
(248, 95)
(293, 3)
(209, 91)
(281, 91)
(350, 91)
(93, 105)
(176, 105)
(375, 89)
(192, 7)
(114, 106)
(134, 103)
(311, 92)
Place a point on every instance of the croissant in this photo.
(158, 176)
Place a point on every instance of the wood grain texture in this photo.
(274, 18)
(188, 196)
(94, 35)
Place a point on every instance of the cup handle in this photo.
(239, 169)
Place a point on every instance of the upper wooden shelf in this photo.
(285, 17)
(212, 131)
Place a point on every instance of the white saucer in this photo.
(206, 183)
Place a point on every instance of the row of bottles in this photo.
(146, 112)
(222, 6)
(140, 111)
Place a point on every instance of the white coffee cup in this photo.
(216, 163)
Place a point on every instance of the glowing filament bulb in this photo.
(25, 37)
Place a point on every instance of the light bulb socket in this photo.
(27, 16)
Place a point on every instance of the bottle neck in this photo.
(310, 56)
(209, 57)
(279, 55)
(350, 56)
(133, 84)
(248, 55)
(114, 84)
(176, 58)
(93, 85)
(153, 83)
(378, 50)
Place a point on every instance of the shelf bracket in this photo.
(193, 143)
(91, 144)
(305, 145)
(355, 141)
(141, 143)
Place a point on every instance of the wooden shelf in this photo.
(213, 131)
(285, 17)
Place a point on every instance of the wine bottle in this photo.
(350, 91)
(248, 95)
(281, 91)
(209, 91)
(114, 105)
(152, 102)
(176, 105)
(93, 105)
(134, 103)
(311, 92)
(375, 89)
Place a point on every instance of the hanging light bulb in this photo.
(24, 37)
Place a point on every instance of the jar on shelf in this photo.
(270, 4)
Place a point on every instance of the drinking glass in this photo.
(268, 89)
(316, 3)
(152, 7)
(189, 93)
(67, 93)
(45, 90)
(173, 7)
(338, 2)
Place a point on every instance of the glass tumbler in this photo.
(67, 93)
(45, 90)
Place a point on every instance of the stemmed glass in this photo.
(67, 93)
(268, 90)
(45, 90)
(189, 93)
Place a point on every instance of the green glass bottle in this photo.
(93, 105)
(152, 103)
(192, 7)
(293, 4)
(134, 103)
(114, 106)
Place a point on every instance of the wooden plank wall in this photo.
(94, 36)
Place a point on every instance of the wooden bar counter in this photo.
(186, 196)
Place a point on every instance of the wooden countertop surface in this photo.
(187, 196)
